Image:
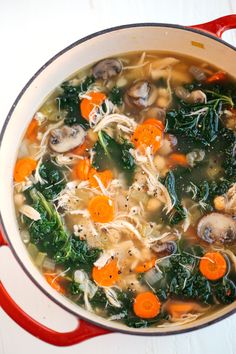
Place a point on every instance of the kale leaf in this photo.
(109, 154)
(77, 254)
(50, 236)
(115, 96)
(53, 179)
(181, 277)
(200, 122)
(178, 213)
(70, 102)
(225, 291)
(48, 233)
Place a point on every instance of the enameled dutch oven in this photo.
(201, 41)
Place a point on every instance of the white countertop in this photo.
(31, 31)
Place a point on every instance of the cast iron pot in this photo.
(201, 41)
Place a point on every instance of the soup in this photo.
(124, 188)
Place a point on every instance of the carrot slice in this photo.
(145, 266)
(81, 169)
(80, 150)
(107, 275)
(147, 135)
(101, 209)
(23, 168)
(177, 159)
(32, 130)
(83, 149)
(213, 265)
(179, 308)
(156, 122)
(54, 282)
(87, 105)
(219, 76)
(146, 305)
(104, 176)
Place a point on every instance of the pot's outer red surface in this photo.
(86, 330)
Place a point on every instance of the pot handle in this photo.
(83, 331)
(218, 26)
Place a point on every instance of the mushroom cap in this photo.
(217, 228)
(141, 94)
(107, 68)
(196, 96)
(66, 138)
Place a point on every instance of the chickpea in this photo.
(162, 102)
(153, 204)
(213, 171)
(231, 123)
(166, 147)
(19, 199)
(219, 203)
(163, 92)
(159, 162)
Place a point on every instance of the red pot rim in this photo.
(51, 60)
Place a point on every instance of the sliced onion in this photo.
(49, 264)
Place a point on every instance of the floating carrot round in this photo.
(32, 130)
(178, 159)
(81, 169)
(54, 282)
(146, 305)
(87, 105)
(219, 76)
(156, 122)
(107, 275)
(104, 176)
(147, 135)
(145, 266)
(23, 168)
(179, 308)
(101, 209)
(213, 265)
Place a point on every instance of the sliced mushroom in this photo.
(141, 94)
(164, 248)
(197, 73)
(107, 68)
(217, 228)
(196, 96)
(66, 138)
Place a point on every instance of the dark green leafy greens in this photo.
(53, 179)
(225, 291)
(204, 191)
(110, 153)
(200, 122)
(181, 278)
(77, 254)
(50, 236)
(70, 102)
(115, 96)
(48, 233)
(179, 212)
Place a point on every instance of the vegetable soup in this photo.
(125, 189)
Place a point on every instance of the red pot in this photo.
(201, 41)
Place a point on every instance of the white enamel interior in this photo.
(103, 45)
